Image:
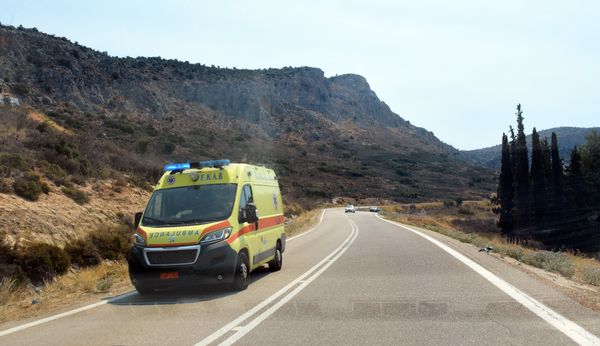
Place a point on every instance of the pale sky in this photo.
(457, 68)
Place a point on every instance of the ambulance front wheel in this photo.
(276, 263)
(242, 270)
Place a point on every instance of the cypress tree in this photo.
(558, 220)
(506, 192)
(575, 190)
(539, 195)
(521, 182)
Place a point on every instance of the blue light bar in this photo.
(177, 166)
(215, 163)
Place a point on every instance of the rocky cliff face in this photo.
(43, 69)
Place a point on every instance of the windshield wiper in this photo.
(194, 221)
(156, 220)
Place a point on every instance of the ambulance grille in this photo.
(177, 256)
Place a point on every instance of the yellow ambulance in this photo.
(208, 222)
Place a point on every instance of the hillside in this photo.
(567, 137)
(326, 137)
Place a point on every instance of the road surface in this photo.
(354, 279)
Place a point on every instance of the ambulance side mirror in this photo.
(248, 214)
(137, 219)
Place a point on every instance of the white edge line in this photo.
(231, 325)
(64, 314)
(246, 329)
(566, 326)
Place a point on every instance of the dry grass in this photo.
(302, 223)
(68, 290)
(472, 230)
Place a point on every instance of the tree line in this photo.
(540, 199)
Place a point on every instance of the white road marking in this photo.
(244, 330)
(569, 328)
(64, 314)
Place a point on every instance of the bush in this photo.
(402, 172)
(83, 252)
(142, 146)
(551, 261)
(466, 211)
(42, 261)
(448, 203)
(80, 197)
(591, 275)
(115, 75)
(31, 187)
(169, 148)
(120, 125)
(64, 62)
(113, 242)
(5, 187)
(14, 161)
(459, 200)
(20, 88)
(74, 124)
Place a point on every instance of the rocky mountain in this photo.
(567, 138)
(326, 137)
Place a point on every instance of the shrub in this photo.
(551, 261)
(42, 261)
(169, 148)
(151, 130)
(64, 62)
(115, 75)
(5, 187)
(591, 275)
(53, 114)
(14, 161)
(74, 124)
(83, 252)
(80, 197)
(113, 242)
(53, 172)
(105, 284)
(21, 89)
(466, 211)
(459, 200)
(120, 125)
(142, 146)
(31, 187)
(402, 172)
(448, 203)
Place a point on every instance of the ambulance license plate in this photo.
(173, 275)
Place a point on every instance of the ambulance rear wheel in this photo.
(276, 263)
(242, 270)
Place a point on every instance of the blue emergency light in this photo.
(214, 163)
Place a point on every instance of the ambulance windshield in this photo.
(190, 205)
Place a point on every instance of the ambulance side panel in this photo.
(271, 221)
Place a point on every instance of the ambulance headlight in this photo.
(139, 240)
(217, 235)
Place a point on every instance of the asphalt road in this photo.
(352, 280)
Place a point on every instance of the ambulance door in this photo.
(250, 235)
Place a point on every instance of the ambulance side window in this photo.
(246, 196)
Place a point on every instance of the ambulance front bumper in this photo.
(170, 266)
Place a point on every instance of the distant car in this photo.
(350, 208)
(375, 209)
